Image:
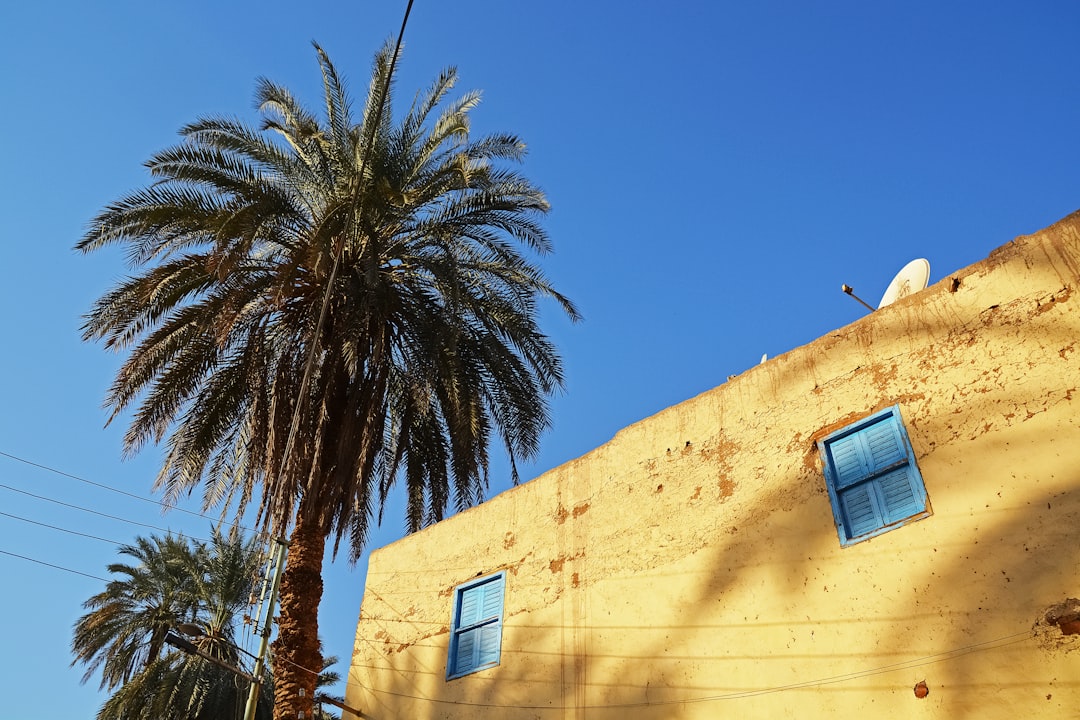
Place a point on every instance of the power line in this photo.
(58, 567)
(275, 657)
(306, 378)
(907, 664)
(359, 200)
(55, 527)
(95, 512)
(103, 486)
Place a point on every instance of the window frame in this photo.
(477, 626)
(873, 477)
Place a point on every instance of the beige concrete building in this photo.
(882, 523)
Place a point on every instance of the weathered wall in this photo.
(690, 567)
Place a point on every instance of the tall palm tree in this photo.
(373, 279)
(172, 581)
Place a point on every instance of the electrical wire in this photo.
(58, 567)
(274, 657)
(943, 656)
(95, 512)
(103, 486)
(869, 672)
(306, 379)
(55, 527)
(310, 363)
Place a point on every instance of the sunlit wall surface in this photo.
(692, 566)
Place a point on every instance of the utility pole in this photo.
(278, 562)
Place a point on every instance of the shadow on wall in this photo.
(982, 667)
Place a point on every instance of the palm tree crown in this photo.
(387, 260)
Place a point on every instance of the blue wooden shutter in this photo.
(860, 515)
(883, 443)
(488, 641)
(868, 451)
(492, 604)
(491, 633)
(470, 605)
(898, 496)
(849, 460)
(465, 655)
(895, 491)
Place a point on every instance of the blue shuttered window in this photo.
(872, 477)
(476, 626)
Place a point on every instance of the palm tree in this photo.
(371, 279)
(174, 581)
(124, 632)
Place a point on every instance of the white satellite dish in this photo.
(912, 278)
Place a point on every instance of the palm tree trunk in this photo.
(297, 659)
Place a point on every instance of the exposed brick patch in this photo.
(1058, 629)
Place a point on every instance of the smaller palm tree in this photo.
(174, 581)
(124, 632)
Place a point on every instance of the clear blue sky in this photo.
(716, 170)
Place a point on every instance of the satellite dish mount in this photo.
(912, 278)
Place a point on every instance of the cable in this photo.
(273, 656)
(103, 486)
(915, 662)
(95, 512)
(294, 423)
(54, 527)
(58, 567)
